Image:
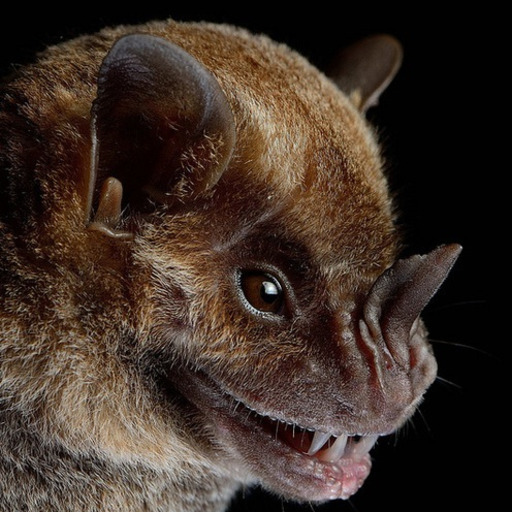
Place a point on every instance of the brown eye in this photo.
(263, 292)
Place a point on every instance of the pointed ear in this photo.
(364, 69)
(162, 127)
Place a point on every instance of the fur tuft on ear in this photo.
(364, 69)
(161, 126)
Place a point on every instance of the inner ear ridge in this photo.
(109, 205)
(109, 214)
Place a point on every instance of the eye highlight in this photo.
(263, 292)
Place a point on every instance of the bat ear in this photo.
(162, 129)
(364, 69)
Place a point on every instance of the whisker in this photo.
(400, 433)
(448, 382)
(452, 305)
(352, 505)
(462, 345)
(419, 412)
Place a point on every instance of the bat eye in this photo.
(263, 292)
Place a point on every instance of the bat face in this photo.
(329, 369)
(210, 250)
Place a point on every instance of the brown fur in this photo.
(99, 406)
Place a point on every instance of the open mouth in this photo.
(315, 443)
(338, 464)
(296, 461)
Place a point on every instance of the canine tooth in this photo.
(319, 439)
(336, 450)
(364, 445)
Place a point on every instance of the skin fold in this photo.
(200, 282)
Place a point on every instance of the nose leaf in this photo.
(399, 295)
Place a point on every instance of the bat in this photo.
(201, 287)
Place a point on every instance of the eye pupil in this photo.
(263, 292)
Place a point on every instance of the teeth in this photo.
(343, 444)
(336, 450)
(337, 446)
(364, 445)
(319, 439)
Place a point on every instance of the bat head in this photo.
(239, 209)
(298, 340)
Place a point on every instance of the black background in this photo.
(447, 164)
